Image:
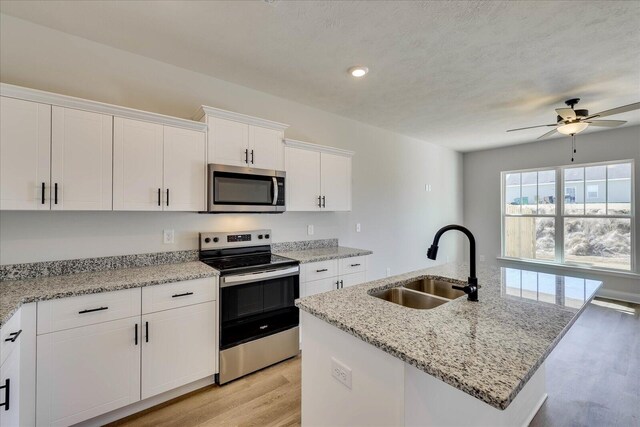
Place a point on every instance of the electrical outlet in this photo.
(481, 258)
(168, 236)
(341, 372)
(358, 228)
(388, 271)
(310, 230)
(427, 188)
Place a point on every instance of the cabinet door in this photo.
(137, 165)
(88, 371)
(184, 170)
(336, 182)
(25, 154)
(319, 286)
(228, 142)
(303, 179)
(10, 391)
(180, 347)
(266, 149)
(81, 160)
(353, 279)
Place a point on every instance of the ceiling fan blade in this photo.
(566, 113)
(618, 110)
(551, 132)
(531, 127)
(605, 123)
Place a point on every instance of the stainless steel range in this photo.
(257, 316)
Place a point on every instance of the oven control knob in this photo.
(266, 236)
(215, 240)
(207, 240)
(259, 236)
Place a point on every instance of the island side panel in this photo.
(377, 379)
(431, 402)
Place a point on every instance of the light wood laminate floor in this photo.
(593, 379)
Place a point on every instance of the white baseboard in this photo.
(145, 404)
(618, 295)
(535, 410)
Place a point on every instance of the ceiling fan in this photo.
(571, 121)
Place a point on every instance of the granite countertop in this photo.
(323, 254)
(488, 349)
(14, 293)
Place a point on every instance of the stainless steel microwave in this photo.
(241, 189)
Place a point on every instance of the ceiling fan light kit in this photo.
(571, 121)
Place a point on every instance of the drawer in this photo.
(354, 264)
(67, 313)
(178, 294)
(321, 270)
(10, 336)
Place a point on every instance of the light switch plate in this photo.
(168, 236)
(310, 230)
(358, 228)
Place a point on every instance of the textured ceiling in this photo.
(453, 73)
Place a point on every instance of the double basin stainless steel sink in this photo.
(421, 294)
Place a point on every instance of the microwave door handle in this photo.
(275, 190)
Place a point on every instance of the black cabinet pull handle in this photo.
(181, 295)
(355, 265)
(7, 393)
(167, 197)
(13, 336)
(55, 193)
(252, 162)
(136, 334)
(146, 331)
(91, 310)
(324, 205)
(320, 271)
(246, 156)
(43, 193)
(341, 284)
(337, 284)
(319, 201)
(159, 192)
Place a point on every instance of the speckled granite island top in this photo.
(488, 349)
(323, 254)
(14, 293)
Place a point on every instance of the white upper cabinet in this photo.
(25, 154)
(266, 149)
(137, 165)
(335, 179)
(184, 169)
(318, 177)
(303, 179)
(81, 160)
(239, 140)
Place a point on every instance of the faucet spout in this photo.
(472, 288)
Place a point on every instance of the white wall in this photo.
(482, 188)
(389, 170)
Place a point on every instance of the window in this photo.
(586, 220)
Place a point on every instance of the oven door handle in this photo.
(275, 190)
(258, 276)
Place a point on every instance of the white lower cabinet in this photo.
(10, 391)
(178, 347)
(87, 371)
(324, 276)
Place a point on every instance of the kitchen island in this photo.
(369, 361)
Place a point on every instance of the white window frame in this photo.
(560, 216)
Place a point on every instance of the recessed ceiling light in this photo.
(358, 71)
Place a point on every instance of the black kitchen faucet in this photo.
(472, 283)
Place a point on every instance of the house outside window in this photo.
(581, 215)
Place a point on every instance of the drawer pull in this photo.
(181, 295)
(91, 310)
(135, 339)
(355, 265)
(13, 336)
(146, 331)
(7, 393)
(321, 271)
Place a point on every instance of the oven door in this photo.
(239, 189)
(256, 305)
